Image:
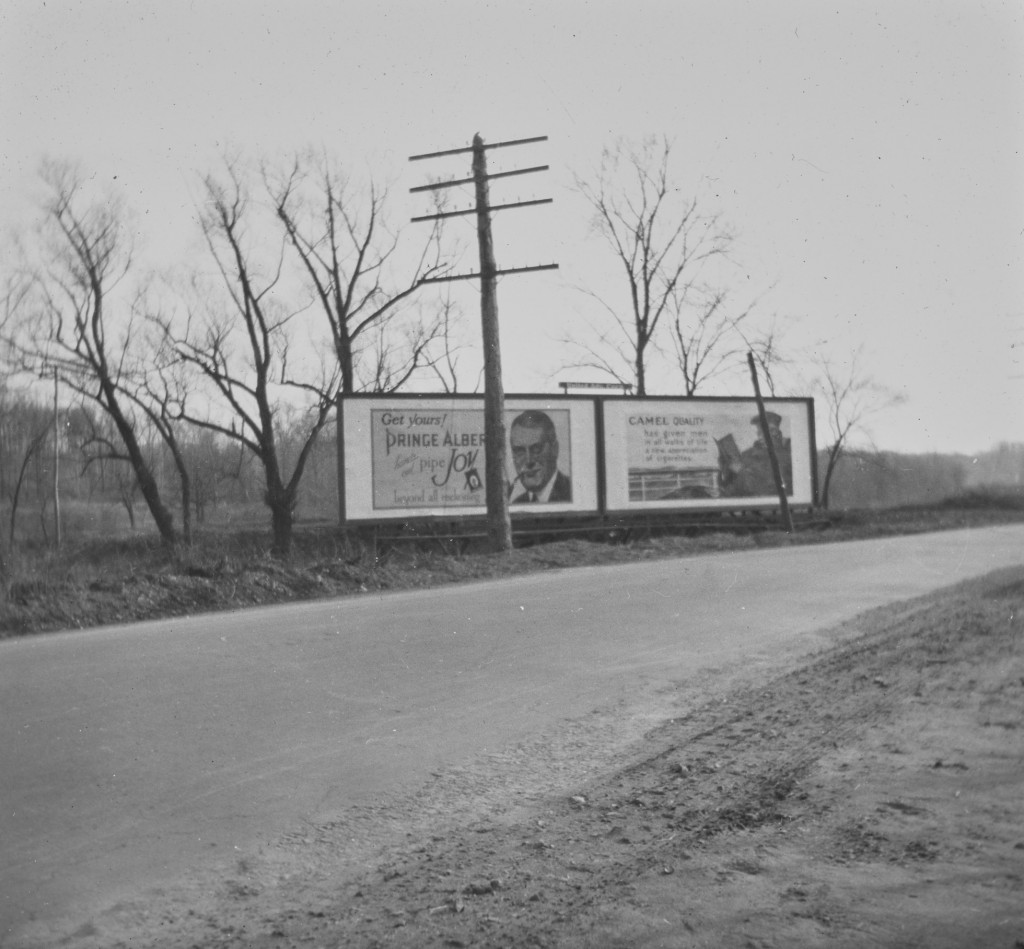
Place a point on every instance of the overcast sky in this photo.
(868, 156)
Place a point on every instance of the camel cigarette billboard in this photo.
(704, 453)
(425, 456)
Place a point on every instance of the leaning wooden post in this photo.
(780, 485)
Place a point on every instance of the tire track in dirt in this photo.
(870, 796)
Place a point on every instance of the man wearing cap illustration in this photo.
(534, 447)
(749, 473)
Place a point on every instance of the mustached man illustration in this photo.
(534, 445)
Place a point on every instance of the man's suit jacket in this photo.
(561, 490)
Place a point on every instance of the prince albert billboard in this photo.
(407, 457)
(425, 456)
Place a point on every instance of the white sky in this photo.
(868, 155)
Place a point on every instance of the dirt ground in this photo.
(874, 796)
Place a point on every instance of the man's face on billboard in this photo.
(534, 454)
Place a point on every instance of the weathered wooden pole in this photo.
(773, 459)
(499, 524)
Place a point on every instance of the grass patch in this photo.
(131, 578)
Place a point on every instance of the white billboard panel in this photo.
(696, 453)
(425, 456)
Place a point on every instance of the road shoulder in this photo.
(870, 796)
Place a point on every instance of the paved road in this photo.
(129, 755)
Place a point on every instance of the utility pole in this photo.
(499, 523)
(499, 527)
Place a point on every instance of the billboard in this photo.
(664, 453)
(424, 456)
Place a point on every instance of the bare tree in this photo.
(66, 326)
(160, 394)
(24, 430)
(244, 350)
(769, 354)
(9, 302)
(100, 446)
(445, 367)
(850, 396)
(706, 337)
(661, 242)
(211, 463)
(33, 447)
(347, 253)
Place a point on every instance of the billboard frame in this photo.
(456, 513)
(602, 508)
(770, 501)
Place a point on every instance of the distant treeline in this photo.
(890, 479)
(98, 493)
(96, 486)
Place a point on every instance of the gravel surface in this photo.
(869, 797)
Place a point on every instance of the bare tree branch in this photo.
(850, 396)
(661, 243)
(65, 325)
(346, 252)
(245, 354)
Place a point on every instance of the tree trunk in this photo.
(186, 506)
(282, 518)
(185, 480)
(641, 375)
(281, 499)
(147, 483)
(126, 503)
(151, 495)
(346, 363)
(15, 497)
(833, 460)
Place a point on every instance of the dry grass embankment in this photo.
(117, 581)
